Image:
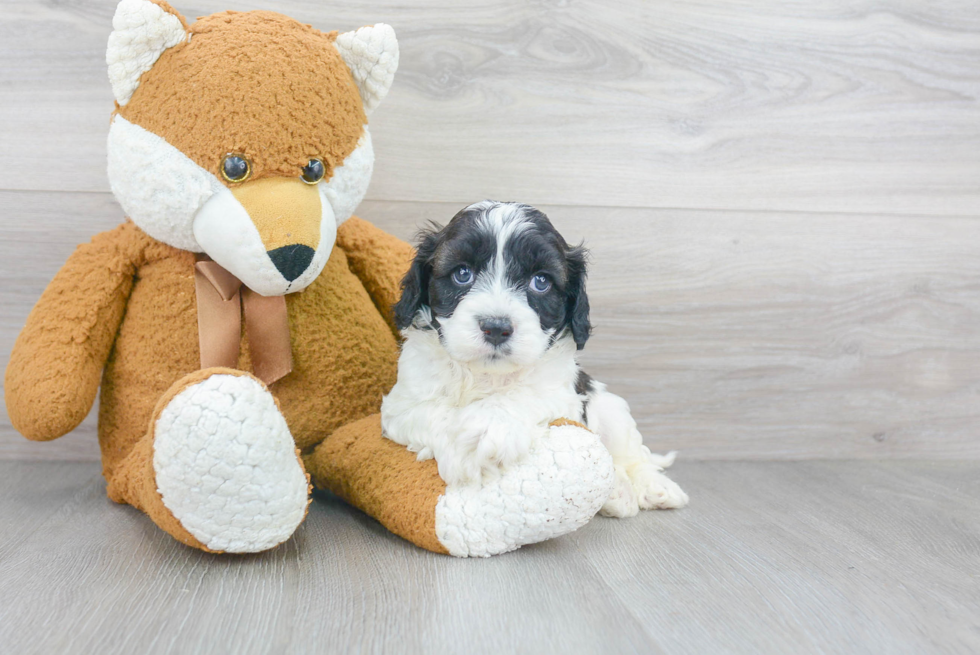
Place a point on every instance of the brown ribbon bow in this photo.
(221, 301)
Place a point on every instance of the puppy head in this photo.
(499, 283)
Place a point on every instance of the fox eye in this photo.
(463, 275)
(313, 172)
(235, 168)
(540, 283)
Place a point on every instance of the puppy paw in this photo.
(505, 443)
(654, 490)
(622, 502)
(485, 447)
(458, 466)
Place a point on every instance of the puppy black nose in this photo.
(496, 330)
(292, 260)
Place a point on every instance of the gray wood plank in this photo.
(732, 334)
(841, 106)
(110, 581)
(31, 495)
(806, 557)
(856, 557)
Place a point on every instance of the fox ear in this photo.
(141, 31)
(371, 53)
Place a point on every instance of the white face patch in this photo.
(176, 201)
(495, 297)
(346, 187)
(159, 187)
(492, 298)
(226, 233)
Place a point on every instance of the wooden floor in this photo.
(781, 557)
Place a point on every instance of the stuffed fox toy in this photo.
(238, 322)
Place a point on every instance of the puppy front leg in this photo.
(422, 427)
(640, 481)
(465, 442)
(492, 438)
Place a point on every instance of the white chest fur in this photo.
(475, 417)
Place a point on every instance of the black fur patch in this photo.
(540, 249)
(536, 249)
(583, 386)
(441, 250)
(461, 243)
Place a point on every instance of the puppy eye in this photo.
(463, 275)
(235, 168)
(540, 283)
(313, 172)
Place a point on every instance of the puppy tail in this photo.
(663, 461)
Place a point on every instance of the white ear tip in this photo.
(142, 30)
(371, 53)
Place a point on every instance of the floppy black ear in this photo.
(415, 284)
(578, 300)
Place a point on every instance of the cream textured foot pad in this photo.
(556, 490)
(226, 466)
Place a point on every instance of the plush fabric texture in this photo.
(379, 261)
(142, 30)
(342, 345)
(371, 53)
(218, 93)
(382, 479)
(346, 187)
(57, 360)
(157, 184)
(556, 491)
(226, 466)
(126, 302)
(134, 479)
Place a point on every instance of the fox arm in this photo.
(57, 360)
(378, 259)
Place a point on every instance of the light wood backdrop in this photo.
(782, 199)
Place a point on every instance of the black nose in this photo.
(292, 260)
(496, 330)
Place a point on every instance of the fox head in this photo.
(243, 135)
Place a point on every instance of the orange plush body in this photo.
(243, 139)
(143, 329)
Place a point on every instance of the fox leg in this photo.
(217, 468)
(558, 487)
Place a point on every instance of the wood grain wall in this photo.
(783, 199)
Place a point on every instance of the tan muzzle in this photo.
(286, 212)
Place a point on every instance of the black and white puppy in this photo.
(493, 311)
